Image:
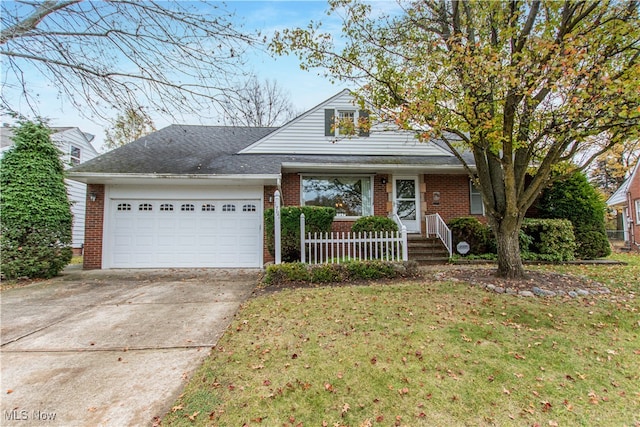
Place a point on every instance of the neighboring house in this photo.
(194, 196)
(626, 199)
(76, 148)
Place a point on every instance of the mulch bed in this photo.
(549, 281)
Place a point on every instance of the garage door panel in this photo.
(186, 233)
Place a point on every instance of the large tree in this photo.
(127, 127)
(35, 233)
(257, 103)
(171, 56)
(522, 85)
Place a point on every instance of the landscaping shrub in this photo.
(35, 233)
(372, 224)
(317, 219)
(295, 273)
(285, 273)
(472, 231)
(578, 201)
(547, 240)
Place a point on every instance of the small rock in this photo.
(511, 291)
(561, 292)
(605, 291)
(491, 287)
(526, 294)
(573, 294)
(537, 291)
(499, 290)
(582, 292)
(548, 293)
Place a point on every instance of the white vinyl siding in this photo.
(67, 140)
(305, 135)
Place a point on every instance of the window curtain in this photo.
(367, 199)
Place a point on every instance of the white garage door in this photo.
(186, 233)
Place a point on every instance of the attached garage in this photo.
(193, 228)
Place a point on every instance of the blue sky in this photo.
(306, 88)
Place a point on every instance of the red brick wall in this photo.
(269, 191)
(93, 226)
(454, 196)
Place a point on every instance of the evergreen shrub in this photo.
(578, 201)
(35, 232)
(317, 219)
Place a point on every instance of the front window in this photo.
(477, 207)
(351, 196)
(74, 154)
(346, 122)
(638, 211)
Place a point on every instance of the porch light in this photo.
(92, 196)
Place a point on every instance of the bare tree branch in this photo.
(173, 57)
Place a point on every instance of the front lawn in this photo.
(425, 353)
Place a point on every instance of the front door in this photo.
(407, 202)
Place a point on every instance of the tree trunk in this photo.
(507, 233)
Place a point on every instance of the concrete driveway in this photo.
(110, 348)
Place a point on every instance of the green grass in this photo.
(425, 354)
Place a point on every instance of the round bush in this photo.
(372, 224)
(472, 231)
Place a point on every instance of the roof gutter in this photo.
(117, 178)
(377, 167)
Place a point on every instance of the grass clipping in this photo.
(419, 354)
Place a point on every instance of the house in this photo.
(76, 148)
(627, 200)
(194, 196)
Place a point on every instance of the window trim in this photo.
(75, 160)
(348, 217)
(637, 209)
(332, 118)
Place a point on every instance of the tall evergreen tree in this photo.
(36, 214)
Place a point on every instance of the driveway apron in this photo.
(110, 348)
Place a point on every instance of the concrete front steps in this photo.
(425, 250)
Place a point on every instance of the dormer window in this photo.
(346, 122)
(74, 155)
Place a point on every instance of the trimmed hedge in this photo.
(317, 219)
(472, 231)
(372, 224)
(547, 240)
(540, 239)
(578, 201)
(297, 273)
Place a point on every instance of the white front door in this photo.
(406, 196)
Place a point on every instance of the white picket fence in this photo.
(338, 247)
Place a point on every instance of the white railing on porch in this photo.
(436, 226)
(338, 247)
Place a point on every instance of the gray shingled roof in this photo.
(213, 150)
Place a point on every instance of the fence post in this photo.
(405, 249)
(303, 254)
(277, 228)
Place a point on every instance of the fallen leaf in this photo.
(345, 408)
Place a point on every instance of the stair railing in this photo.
(436, 226)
